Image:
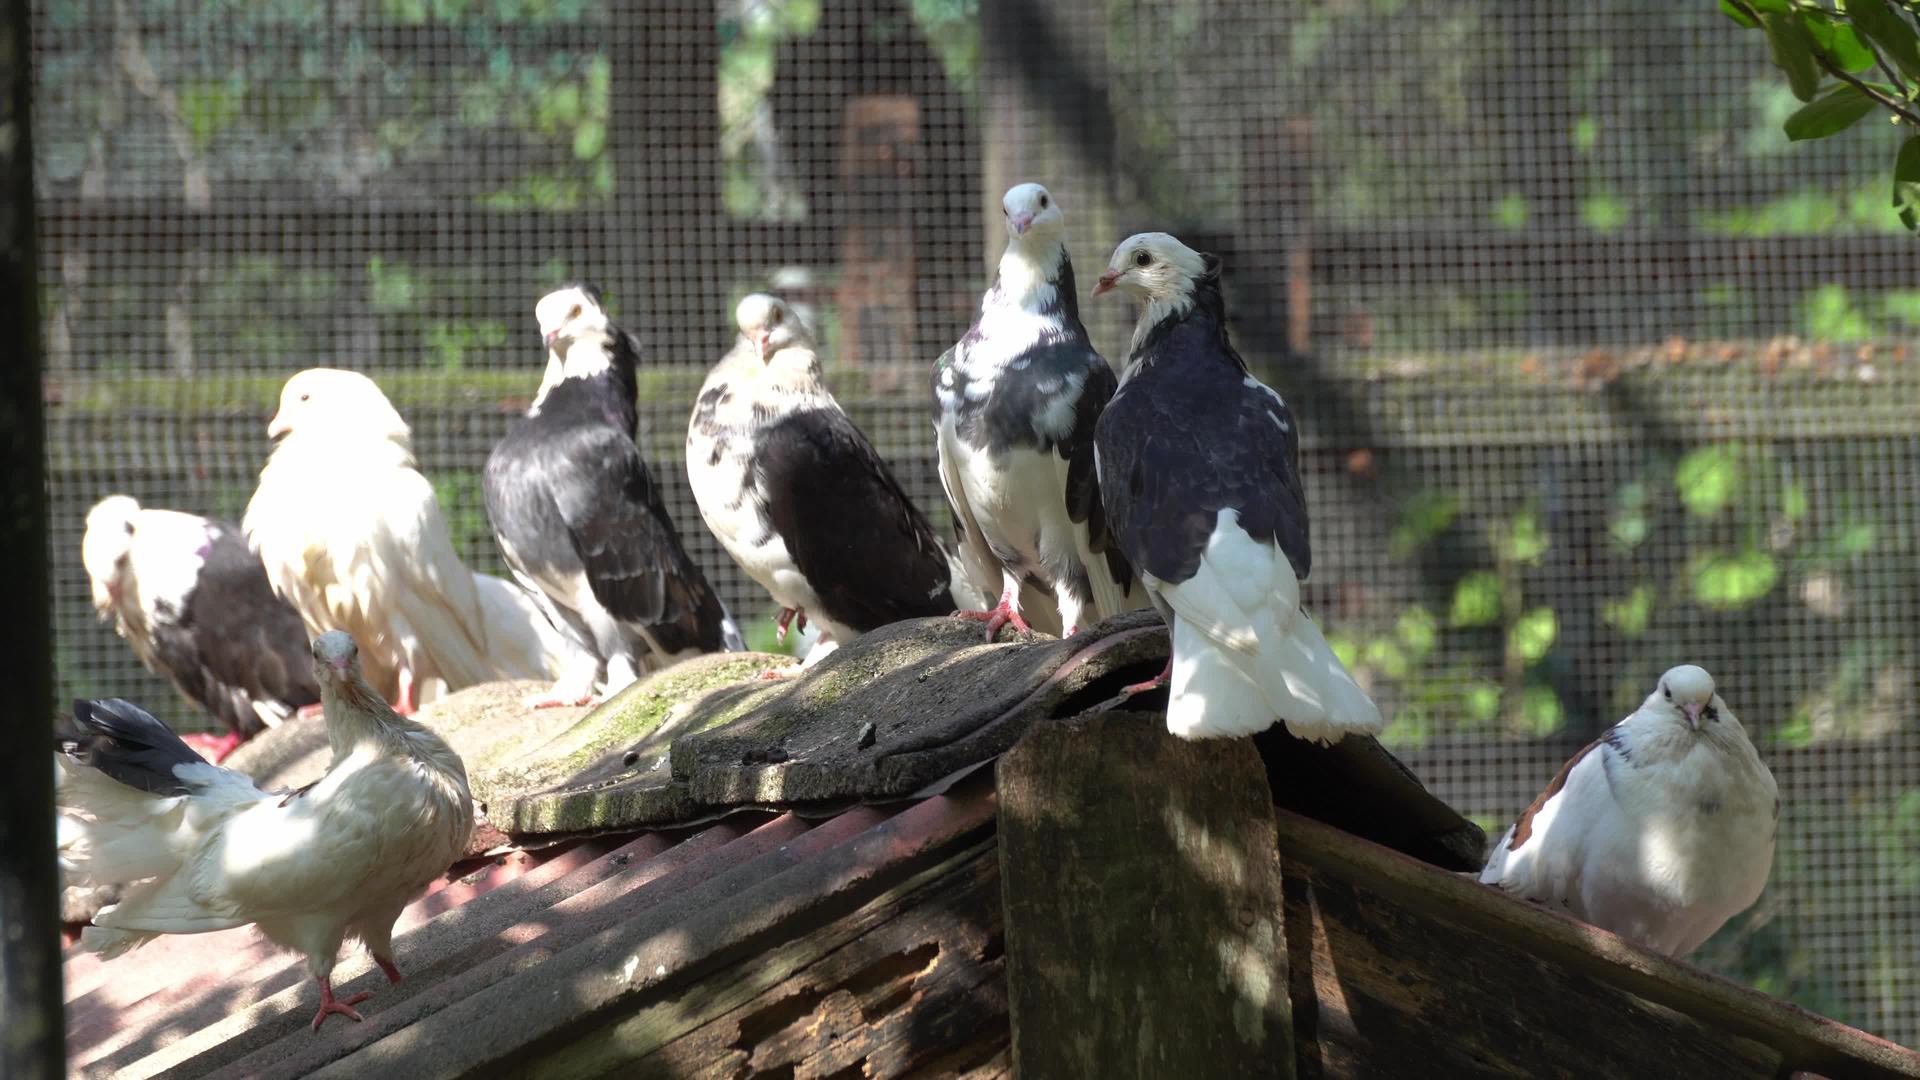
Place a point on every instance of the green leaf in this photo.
(1890, 33)
(1771, 7)
(1833, 112)
(1632, 614)
(1846, 48)
(1419, 631)
(1792, 49)
(1476, 600)
(1708, 479)
(1532, 634)
(1734, 13)
(1526, 541)
(1540, 710)
(1726, 582)
(1906, 183)
(1481, 702)
(1422, 518)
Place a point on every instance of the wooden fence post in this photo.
(1141, 881)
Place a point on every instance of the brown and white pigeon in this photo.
(194, 603)
(796, 493)
(1660, 830)
(1016, 402)
(204, 849)
(1199, 470)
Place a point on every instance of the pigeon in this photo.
(351, 535)
(204, 849)
(1198, 468)
(193, 601)
(1016, 402)
(580, 518)
(800, 498)
(1660, 830)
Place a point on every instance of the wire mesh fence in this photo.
(1598, 373)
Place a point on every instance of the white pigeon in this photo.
(1017, 400)
(194, 603)
(1199, 471)
(796, 493)
(204, 849)
(1660, 830)
(582, 521)
(352, 536)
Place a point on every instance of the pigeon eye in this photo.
(1043, 202)
(304, 397)
(1664, 690)
(1141, 258)
(575, 313)
(1711, 713)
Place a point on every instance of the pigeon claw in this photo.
(1154, 683)
(795, 616)
(331, 1006)
(1003, 615)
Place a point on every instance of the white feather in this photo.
(1244, 654)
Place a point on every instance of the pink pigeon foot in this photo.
(330, 1006)
(1003, 615)
(1154, 683)
(387, 966)
(213, 748)
(407, 703)
(559, 698)
(775, 673)
(789, 615)
(308, 712)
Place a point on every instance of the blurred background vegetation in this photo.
(1599, 372)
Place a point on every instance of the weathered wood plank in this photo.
(1143, 904)
(911, 976)
(1398, 968)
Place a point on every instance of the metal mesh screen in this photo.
(1598, 373)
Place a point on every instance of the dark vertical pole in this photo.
(30, 1023)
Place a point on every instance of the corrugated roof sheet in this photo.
(507, 952)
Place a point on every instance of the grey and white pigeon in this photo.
(1660, 830)
(202, 848)
(193, 601)
(796, 493)
(1016, 401)
(1199, 471)
(580, 518)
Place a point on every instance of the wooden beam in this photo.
(1402, 969)
(1143, 904)
(30, 1036)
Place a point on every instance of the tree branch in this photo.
(1900, 107)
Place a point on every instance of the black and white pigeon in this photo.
(1199, 469)
(581, 520)
(194, 603)
(1660, 830)
(799, 497)
(1017, 399)
(202, 848)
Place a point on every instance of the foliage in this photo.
(1825, 47)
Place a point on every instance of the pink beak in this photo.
(551, 334)
(1020, 223)
(760, 338)
(1106, 282)
(277, 427)
(1692, 713)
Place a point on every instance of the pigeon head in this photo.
(336, 403)
(104, 548)
(336, 657)
(1686, 695)
(1154, 267)
(770, 324)
(1032, 214)
(569, 312)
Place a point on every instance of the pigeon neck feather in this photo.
(1030, 276)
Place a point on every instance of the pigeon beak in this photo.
(277, 427)
(1106, 282)
(760, 338)
(1020, 223)
(1693, 716)
(550, 335)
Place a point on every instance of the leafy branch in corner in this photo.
(1810, 42)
